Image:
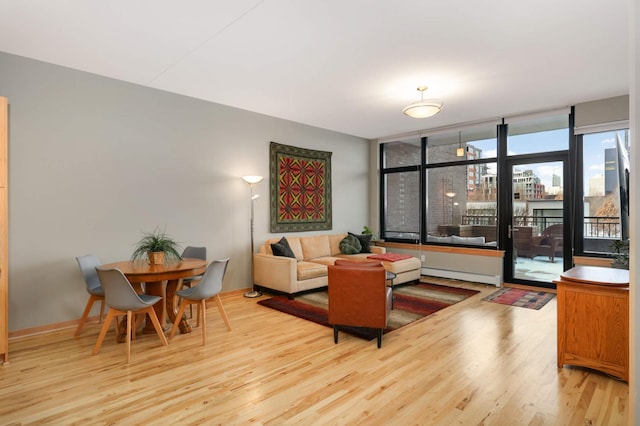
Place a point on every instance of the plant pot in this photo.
(156, 257)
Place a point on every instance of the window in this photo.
(401, 180)
(461, 204)
(605, 167)
(453, 191)
(540, 134)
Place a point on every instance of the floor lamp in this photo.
(252, 180)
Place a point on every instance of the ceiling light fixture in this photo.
(424, 108)
(460, 150)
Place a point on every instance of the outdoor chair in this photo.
(548, 243)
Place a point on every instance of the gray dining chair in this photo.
(123, 300)
(209, 287)
(195, 253)
(87, 264)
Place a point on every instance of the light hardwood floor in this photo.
(474, 363)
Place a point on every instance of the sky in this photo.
(553, 140)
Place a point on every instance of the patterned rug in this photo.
(411, 303)
(521, 298)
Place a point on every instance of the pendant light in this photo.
(460, 150)
(424, 108)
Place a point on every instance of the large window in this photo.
(605, 167)
(401, 180)
(456, 186)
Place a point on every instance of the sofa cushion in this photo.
(350, 245)
(356, 262)
(467, 240)
(316, 246)
(307, 270)
(365, 242)
(325, 260)
(282, 248)
(436, 239)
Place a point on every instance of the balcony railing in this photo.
(594, 226)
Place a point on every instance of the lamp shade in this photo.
(252, 179)
(423, 109)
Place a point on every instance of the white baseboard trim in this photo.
(466, 276)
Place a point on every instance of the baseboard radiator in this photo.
(466, 276)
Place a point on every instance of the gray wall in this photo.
(94, 162)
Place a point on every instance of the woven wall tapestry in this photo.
(300, 189)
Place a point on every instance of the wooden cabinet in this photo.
(4, 233)
(593, 319)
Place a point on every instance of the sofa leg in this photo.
(380, 338)
(335, 334)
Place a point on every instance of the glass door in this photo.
(536, 237)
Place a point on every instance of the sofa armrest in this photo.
(378, 250)
(275, 272)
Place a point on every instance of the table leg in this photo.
(172, 307)
(156, 288)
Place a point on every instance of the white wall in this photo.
(94, 162)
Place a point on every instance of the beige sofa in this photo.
(309, 268)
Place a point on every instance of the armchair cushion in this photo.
(282, 248)
(350, 245)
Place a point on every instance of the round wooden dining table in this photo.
(160, 280)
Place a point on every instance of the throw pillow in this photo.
(350, 245)
(282, 248)
(365, 242)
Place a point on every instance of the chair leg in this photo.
(380, 338)
(335, 334)
(87, 309)
(222, 311)
(183, 305)
(101, 310)
(156, 324)
(128, 339)
(110, 317)
(202, 308)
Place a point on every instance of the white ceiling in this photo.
(345, 65)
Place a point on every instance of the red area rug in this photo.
(521, 298)
(412, 302)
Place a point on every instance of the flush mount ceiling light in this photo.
(425, 108)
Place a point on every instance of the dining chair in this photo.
(87, 266)
(209, 287)
(123, 300)
(195, 253)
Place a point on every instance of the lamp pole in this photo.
(252, 180)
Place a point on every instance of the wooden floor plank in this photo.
(472, 363)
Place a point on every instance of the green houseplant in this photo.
(153, 243)
(368, 231)
(621, 250)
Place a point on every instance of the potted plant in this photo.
(157, 246)
(368, 231)
(621, 250)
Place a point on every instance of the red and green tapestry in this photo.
(300, 189)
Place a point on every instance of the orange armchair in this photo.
(358, 297)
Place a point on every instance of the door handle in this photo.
(512, 229)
